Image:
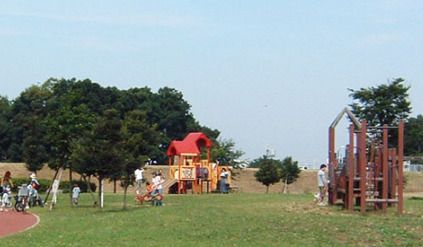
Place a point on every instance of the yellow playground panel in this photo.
(188, 170)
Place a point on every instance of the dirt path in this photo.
(12, 222)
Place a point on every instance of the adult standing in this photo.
(34, 186)
(7, 180)
(223, 181)
(139, 179)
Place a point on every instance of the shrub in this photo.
(45, 184)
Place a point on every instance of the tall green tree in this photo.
(414, 136)
(225, 152)
(171, 113)
(256, 163)
(384, 104)
(140, 141)
(289, 172)
(30, 109)
(100, 153)
(5, 128)
(269, 172)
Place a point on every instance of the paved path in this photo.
(13, 222)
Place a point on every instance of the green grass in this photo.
(220, 220)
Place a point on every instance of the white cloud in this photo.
(149, 20)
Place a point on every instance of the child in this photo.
(149, 188)
(322, 183)
(5, 200)
(158, 189)
(75, 194)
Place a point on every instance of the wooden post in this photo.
(362, 165)
(351, 173)
(393, 171)
(332, 168)
(400, 206)
(385, 166)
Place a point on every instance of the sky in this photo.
(267, 74)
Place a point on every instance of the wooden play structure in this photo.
(371, 173)
(190, 167)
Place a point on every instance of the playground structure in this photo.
(190, 166)
(371, 174)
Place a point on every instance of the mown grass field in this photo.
(220, 220)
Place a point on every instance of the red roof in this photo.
(191, 144)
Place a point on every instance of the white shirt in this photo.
(224, 174)
(321, 178)
(157, 182)
(139, 174)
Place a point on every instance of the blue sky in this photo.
(268, 74)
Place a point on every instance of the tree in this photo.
(413, 138)
(268, 172)
(289, 172)
(31, 108)
(256, 163)
(5, 127)
(140, 140)
(172, 115)
(384, 104)
(100, 152)
(224, 151)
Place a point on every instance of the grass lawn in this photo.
(220, 220)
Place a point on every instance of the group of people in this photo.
(153, 188)
(26, 190)
(6, 185)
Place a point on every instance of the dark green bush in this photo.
(45, 184)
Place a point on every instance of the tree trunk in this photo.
(267, 189)
(114, 186)
(125, 201)
(100, 191)
(70, 185)
(51, 185)
(285, 187)
(89, 189)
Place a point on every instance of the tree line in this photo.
(97, 131)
